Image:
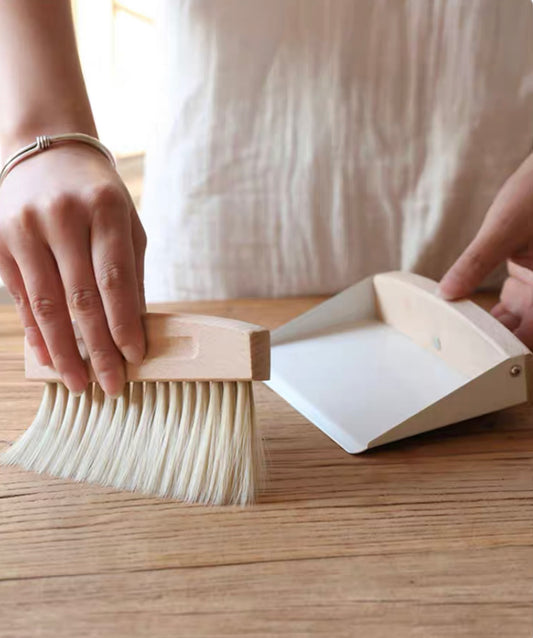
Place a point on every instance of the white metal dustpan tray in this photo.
(387, 358)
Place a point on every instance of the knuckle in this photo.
(112, 277)
(21, 222)
(63, 204)
(84, 300)
(62, 209)
(16, 294)
(106, 195)
(27, 217)
(18, 299)
(43, 308)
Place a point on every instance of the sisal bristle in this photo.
(195, 441)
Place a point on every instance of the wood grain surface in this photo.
(429, 537)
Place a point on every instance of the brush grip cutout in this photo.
(185, 347)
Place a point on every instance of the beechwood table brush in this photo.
(184, 427)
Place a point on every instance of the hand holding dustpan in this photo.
(387, 358)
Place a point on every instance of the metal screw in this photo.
(515, 371)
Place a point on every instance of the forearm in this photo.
(41, 84)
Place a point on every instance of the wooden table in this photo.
(429, 537)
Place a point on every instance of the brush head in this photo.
(184, 427)
(185, 347)
(191, 441)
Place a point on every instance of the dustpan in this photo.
(387, 359)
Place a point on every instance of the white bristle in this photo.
(195, 441)
(191, 444)
(161, 451)
(95, 438)
(128, 433)
(53, 445)
(37, 451)
(97, 398)
(220, 490)
(22, 452)
(155, 436)
(64, 456)
(131, 463)
(248, 452)
(101, 464)
(204, 438)
(178, 441)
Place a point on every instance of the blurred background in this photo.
(116, 41)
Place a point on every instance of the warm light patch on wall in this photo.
(116, 41)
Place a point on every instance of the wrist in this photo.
(23, 133)
(45, 142)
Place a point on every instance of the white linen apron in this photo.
(301, 145)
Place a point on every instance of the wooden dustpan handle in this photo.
(467, 337)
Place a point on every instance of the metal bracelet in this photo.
(43, 142)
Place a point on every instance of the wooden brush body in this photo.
(186, 347)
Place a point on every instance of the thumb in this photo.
(480, 258)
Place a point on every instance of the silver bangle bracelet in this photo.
(43, 142)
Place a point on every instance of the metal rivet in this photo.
(436, 343)
(515, 371)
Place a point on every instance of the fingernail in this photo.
(439, 292)
(113, 383)
(133, 354)
(75, 382)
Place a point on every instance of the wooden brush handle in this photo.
(186, 347)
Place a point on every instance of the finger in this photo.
(525, 330)
(139, 247)
(510, 321)
(115, 271)
(502, 314)
(523, 257)
(15, 286)
(479, 259)
(498, 309)
(48, 305)
(71, 248)
(520, 272)
(517, 297)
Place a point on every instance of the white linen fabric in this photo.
(301, 145)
